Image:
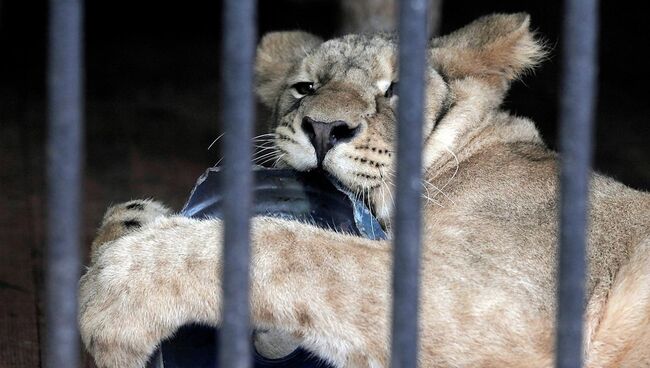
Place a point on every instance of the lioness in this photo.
(490, 222)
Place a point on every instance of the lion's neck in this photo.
(463, 139)
(449, 150)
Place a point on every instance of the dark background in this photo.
(152, 82)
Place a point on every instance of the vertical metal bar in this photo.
(577, 114)
(406, 266)
(64, 176)
(238, 50)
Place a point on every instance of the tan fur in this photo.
(490, 224)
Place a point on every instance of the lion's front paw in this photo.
(124, 308)
(111, 327)
(127, 217)
(141, 287)
(112, 354)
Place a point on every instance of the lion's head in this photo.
(334, 102)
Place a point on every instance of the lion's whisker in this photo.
(428, 195)
(265, 155)
(218, 162)
(438, 190)
(267, 158)
(452, 176)
(390, 195)
(261, 153)
(277, 160)
(263, 148)
(265, 135)
(215, 141)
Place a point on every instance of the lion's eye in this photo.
(304, 88)
(391, 91)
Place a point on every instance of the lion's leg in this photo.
(330, 290)
(623, 332)
(127, 217)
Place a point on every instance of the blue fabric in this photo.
(314, 198)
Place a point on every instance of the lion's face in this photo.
(337, 110)
(334, 103)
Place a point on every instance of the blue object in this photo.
(313, 198)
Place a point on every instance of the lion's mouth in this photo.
(334, 180)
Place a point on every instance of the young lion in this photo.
(490, 222)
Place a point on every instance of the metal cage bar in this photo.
(64, 177)
(238, 51)
(406, 261)
(579, 59)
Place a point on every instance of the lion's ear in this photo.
(498, 48)
(276, 54)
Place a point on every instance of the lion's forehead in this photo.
(370, 55)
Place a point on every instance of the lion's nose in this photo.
(323, 136)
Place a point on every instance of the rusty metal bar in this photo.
(64, 177)
(412, 62)
(238, 51)
(577, 101)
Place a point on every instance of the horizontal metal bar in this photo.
(239, 37)
(579, 55)
(64, 176)
(406, 266)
